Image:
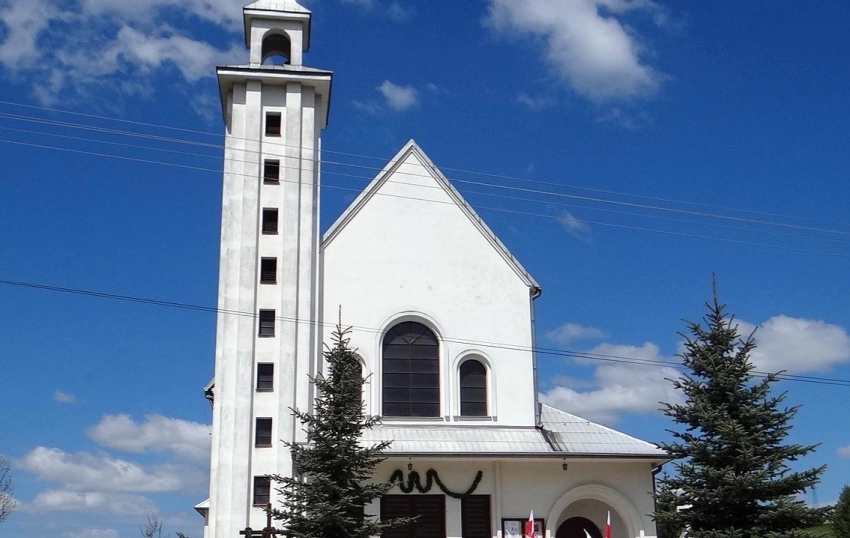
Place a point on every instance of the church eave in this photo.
(655, 459)
(319, 79)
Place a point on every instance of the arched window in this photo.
(473, 389)
(277, 48)
(411, 371)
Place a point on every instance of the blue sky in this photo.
(623, 150)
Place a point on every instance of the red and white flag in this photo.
(529, 525)
(608, 526)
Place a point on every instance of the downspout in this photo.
(535, 293)
(655, 470)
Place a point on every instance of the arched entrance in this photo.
(578, 527)
(594, 502)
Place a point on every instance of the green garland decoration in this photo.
(431, 477)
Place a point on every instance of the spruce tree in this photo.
(327, 499)
(841, 515)
(732, 475)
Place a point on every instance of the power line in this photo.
(511, 178)
(496, 209)
(497, 345)
(507, 197)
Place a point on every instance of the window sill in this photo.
(464, 418)
(263, 446)
(414, 419)
(263, 389)
(265, 336)
(268, 282)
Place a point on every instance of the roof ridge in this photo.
(412, 148)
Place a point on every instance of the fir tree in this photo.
(841, 515)
(732, 463)
(328, 498)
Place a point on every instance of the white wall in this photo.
(411, 253)
(517, 487)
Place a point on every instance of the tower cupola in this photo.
(277, 31)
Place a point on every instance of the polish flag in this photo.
(608, 526)
(529, 525)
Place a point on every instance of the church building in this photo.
(443, 322)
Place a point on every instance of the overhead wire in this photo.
(584, 355)
(495, 209)
(500, 176)
(418, 185)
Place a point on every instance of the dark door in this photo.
(575, 527)
(429, 510)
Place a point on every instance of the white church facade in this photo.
(442, 317)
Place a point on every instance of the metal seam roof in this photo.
(561, 434)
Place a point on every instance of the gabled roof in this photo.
(203, 507)
(413, 149)
(560, 435)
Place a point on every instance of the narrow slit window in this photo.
(273, 124)
(268, 271)
(271, 171)
(270, 218)
(262, 490)
(263, 433)
(266, 323)
(265, 376)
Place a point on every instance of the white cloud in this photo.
(369, 107)
(797, 345)
(156, 433)
(93, 533)
(77, 501)
(84, 472)
(24, 21)
(575, 227)
(844, 451)
(85, 49)
(226, 13)
(393, 10)
(399, 13)
(398, 98)
(535, 103)
(617, 388)
(570, 332)
(588, 44)
(64, 397)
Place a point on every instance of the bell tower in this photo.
(267, 332)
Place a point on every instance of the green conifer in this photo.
(841, 515)
(732, 475)
(334, 484)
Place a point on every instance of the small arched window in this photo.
(473, 389)
(277, 48)
(411, 371)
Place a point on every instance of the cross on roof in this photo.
(268, 532)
